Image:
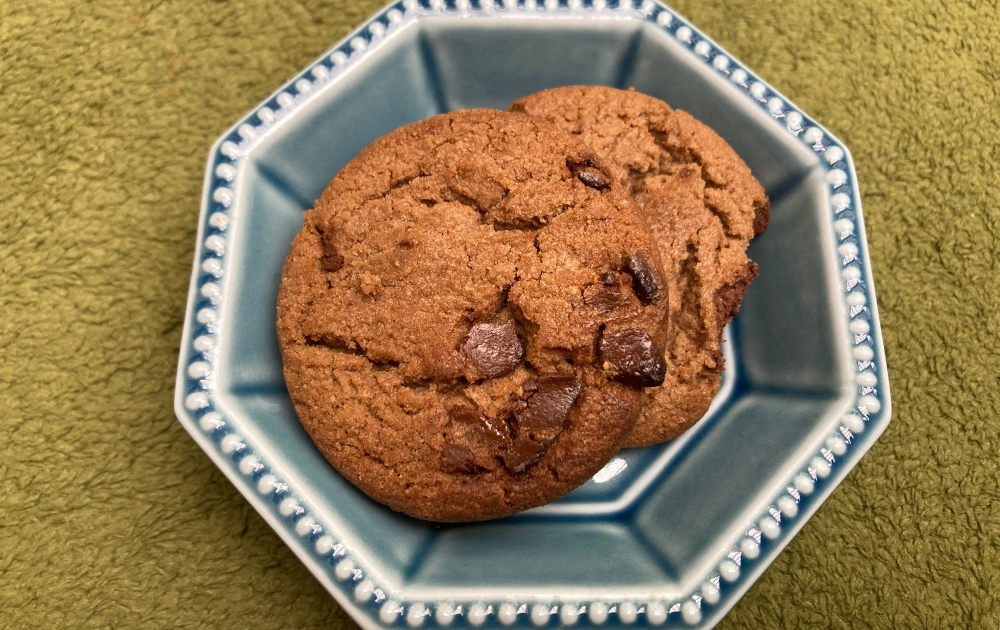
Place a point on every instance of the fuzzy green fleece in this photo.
(110, 515)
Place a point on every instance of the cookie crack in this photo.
(373, 456)
(343, 346)
(529, 226)
(690, 303)
(681, 157)
(336, 344)
(393, 186)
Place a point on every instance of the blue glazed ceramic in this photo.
(672, 534)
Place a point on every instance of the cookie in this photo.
(469, 316)
(703, 206)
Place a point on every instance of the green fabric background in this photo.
(110, 515)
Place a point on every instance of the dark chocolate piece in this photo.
(761, 216)
(493, 349)
(635, 358)
(593, 178)
(464, 414)
(458, 458)
(729, 296)
(524, 454)
(549, 406)
(331, 260)
(546, 403)
(727, 300)
(606, 299)
(588, 170)
(643, 277)
(495, 432)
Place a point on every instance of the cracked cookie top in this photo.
(469, 316)
(702, 205)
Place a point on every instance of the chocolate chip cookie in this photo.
(703, 206)
(469, 316)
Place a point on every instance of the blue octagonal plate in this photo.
(672, 534)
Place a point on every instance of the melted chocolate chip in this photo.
(635, 358)
(587, 168)
(458, 458)
(524, 454)
(606, 299)
(549, 406)
(493, 349)
(643, 277)
(495, 432)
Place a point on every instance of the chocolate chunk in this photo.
(643, 277)
(331, 260)
(608, 279)
(727, 301)
(728, 297)
(524, 454)
(332, 263)
(635, 358)
(549, 406)
(464, 414)
(493, 349)
(761, 216)
(606, 299)
(593, 178)
(495, 432)
(458, 458)
(588, 170)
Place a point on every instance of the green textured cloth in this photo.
(110, 515)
